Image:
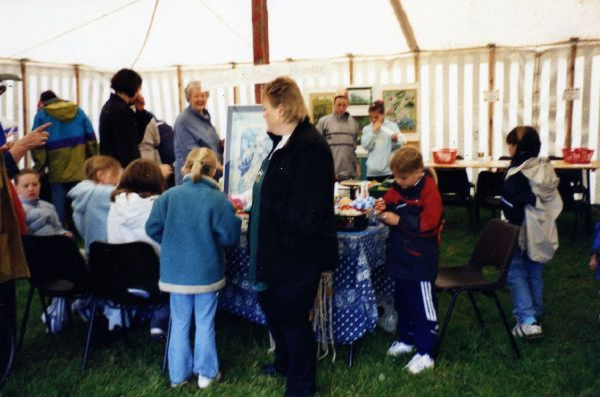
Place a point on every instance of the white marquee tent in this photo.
(442, 46)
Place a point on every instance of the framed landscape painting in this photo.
(321, 104)
(246, 146)
(401, 107)
(359, 96)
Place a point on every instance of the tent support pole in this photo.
(492, 77)
(570, 84)
(25, 101)
(179, 88)
(536, 90)
(77, 84)
(236, 89)
(260, 38)
(417, 63)
(351, 68)
(407, 30)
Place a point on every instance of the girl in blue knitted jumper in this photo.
(193, 222)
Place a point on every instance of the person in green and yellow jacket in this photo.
(71, 141)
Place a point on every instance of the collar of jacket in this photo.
(293, 136)
(204, 115)
(32, 202)
(412, 191)
(187, 179)
(343, 116)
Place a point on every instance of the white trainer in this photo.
(419, 363)
(204, 382)
(528, 331)
(398, 348)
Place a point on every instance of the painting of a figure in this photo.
(247, 145)
(401, 108)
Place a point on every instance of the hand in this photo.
(68, 234)
(166, 170)
(379, 205)
(377, 124)
(395, 138)
(593, 262)
(32, 140)
(389, 218)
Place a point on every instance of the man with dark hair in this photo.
(121, 128)
(70, 142)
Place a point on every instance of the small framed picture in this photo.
(246, 146)
(321, 104)
(360, 96)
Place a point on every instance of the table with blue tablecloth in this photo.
(359, 284)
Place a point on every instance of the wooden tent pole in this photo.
(536, 90)
(236, 89)
(351, 68)
(77, 84)
(492, 76)
(180, 88)
(407, 30)
(25, 101)
(417, 63)
(570, 84)
(260, 38)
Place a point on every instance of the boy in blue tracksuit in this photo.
(412, 208)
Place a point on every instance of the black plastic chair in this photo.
(455, 189)
(488, 191)
(494, 248)
(57, 269)
(121, 274)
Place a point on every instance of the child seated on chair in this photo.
(412, 209)
(41, 216)
(91, 198)
(193, 222)
(530, 199)
(131, 202)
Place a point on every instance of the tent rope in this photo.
(16, 54)
(147, 35)
(222, 20)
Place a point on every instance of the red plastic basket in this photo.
(578, 155)
(444, 156)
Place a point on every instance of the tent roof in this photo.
(109, 34)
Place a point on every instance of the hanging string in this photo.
(147, 34)
(222, 20)
(16, 54)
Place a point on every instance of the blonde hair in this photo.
(200, 162)
(100, 163)
(284, 91)
(406, 160)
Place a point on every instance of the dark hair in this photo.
(126, 81)
(23, 172)
(142, 177)
(526, 139)
(47, 95)
(377, 106)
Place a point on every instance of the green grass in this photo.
(473, 362)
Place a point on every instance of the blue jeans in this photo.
(204, 360)
(59, 198)
(526, 287)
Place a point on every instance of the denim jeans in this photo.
(526, 287)
(59, 199)
(204, 360)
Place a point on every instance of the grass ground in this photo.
(473, 362)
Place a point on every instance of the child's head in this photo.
(28, 184)
(376, 111)
(103, 169)
(407, 166)
(200, 162)
(523, 139)
(142, 177)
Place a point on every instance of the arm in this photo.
(516, 194)
(124, 136)
(225, 224)
(155, 225)
(368, 138)
(32, 140)
(39, 155)
(91, 143)
(321, 125)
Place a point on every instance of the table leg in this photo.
(588, 204)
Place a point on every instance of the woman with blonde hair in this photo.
(193, 222)
(292, 232)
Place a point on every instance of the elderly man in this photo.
(341, 131)
(193, 128)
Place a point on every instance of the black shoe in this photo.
(270, 370)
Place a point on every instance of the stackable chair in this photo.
(124, 276)
(57, 269)
(7, 348)
(455, 189)
(494, 248)
(488, 191)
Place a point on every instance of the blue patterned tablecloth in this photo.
(359, 283)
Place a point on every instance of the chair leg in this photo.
(68, 308)
(511, 338)
(447, 319)
(45, 310)
(350, 355)
(475, 309)
(88, 341)
(166, 354)
(25, 317)
(124, 318)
